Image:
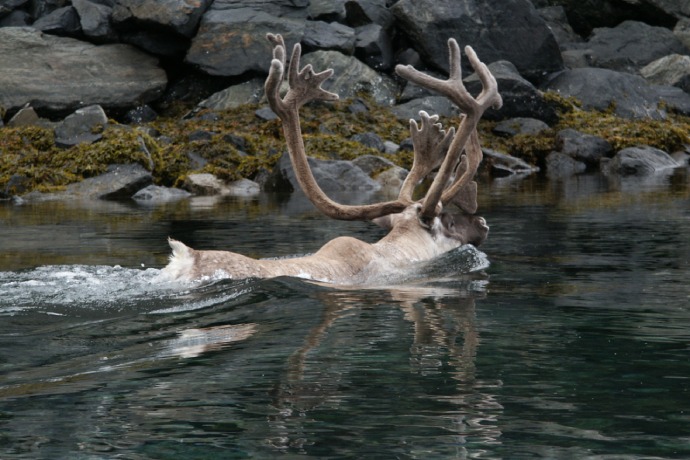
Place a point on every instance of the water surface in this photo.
(573, 343)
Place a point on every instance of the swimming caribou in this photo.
(419, 230)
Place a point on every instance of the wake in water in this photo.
(58, 289)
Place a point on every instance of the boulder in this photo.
(363, 12)
(62, 21)
(118, 183)
(515, 126)
(520, 97)
(331, 175)
(249, 92)
(502, 164)
(155, 194)
(631, 45)
(233, 41)
(509, 30)
(556, 19)
(370, 139)
(639, 161)
(373, 47)
(671, 70)
(582, 147)
(328, 36)
(559, 165)
(85, 125)
(59, 74)
(178, 16)
(94, 19)
(435, 105)
(352, 77)
(629, 95)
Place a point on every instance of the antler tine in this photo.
(463, 191)
(455, 90)
(304, 86)
(430, 142)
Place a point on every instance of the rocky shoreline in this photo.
(116, 99)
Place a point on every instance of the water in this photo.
(573, 343)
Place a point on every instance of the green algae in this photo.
(30, 160)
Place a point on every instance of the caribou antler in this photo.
(473, 109)
(305, 86)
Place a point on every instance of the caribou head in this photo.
(419, 230)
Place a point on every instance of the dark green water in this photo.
(573, 343)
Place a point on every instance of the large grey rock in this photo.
(520, 97)
(671, 70)
(509, 30)
(434, 105)
(233, 41)
(85, 125)
(631, 45)
(639, 161)
(95, 20)
(59, 74)
(331, 175)
(328, 36)
(373, 47)
(556, 19)
(363, 12)
(520, 125)
(155, 194)
(502, 164)
(118, 183)
(62, 21)
(630, 95)
(583, 147)
(179, 16)
(352, 77)
(249, 92)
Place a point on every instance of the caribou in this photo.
(419, 229)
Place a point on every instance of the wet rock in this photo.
(118, 76)
(515, 126)
(631, 45)
(639, 161)
(520, 97)
(502, 164)
(672, 70)
(583, 147)
(629, 95)
(560, 165)
(155, 194)
(204, 184)
(118, 183)
(83, 126)
(491, 27)
(352, 77)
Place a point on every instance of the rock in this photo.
(372, 164)
(520, 97)
(559, 165)
(85, 125)
(631, 45)
(16, 18)
(243, 187)
(62, 21)
(331, 175)
(205, 184)
(583, 147)
(639, 161)
(435, 105)
(249, 92)
(94, 19)
(233, 41)
(118, 183)
(7, 6)
(73, 73)
(26, 116)
(503, 164)
(370, 139)
(352, 77)
(141, 114)
(515, 126)
(328, 36)
(178, 16)
(629, 95)
(491, 27)
(155, 194)
(556, 19)
(682, 31)
(266, 114)
(363, 12)
(327, 10)
(373, 47)
(671, 70)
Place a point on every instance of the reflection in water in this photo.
(444, 343)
